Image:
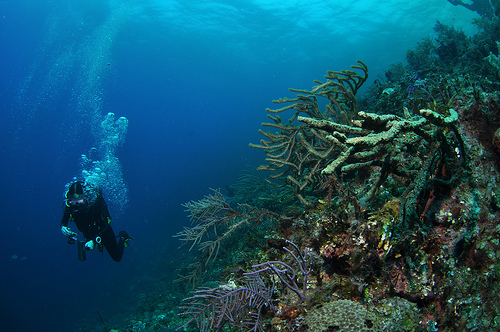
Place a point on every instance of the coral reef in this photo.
(381, 212)
(395, 197)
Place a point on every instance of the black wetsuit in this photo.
(93, 221)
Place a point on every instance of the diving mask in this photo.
(76, 201)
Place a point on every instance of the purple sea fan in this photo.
(286, 273)
(242, 306)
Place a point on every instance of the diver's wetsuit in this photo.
(93, 221)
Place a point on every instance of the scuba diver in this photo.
(85, 206)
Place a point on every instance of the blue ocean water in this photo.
(193, 78)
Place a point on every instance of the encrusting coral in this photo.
(342, 315)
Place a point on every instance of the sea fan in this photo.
(242, 306)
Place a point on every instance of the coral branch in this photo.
(212, 308)
(297, 152)
(286, 273)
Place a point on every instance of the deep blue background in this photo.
(194, 79)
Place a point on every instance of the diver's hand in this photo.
(67, 232)
(89, 245)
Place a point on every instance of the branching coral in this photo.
(333, 142)
(214, 221)
(285, 273)
(381, 140)
(241, 306)
(208, 214)
(289, 151)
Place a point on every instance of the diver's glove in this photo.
(89, 245)
(68, 232)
